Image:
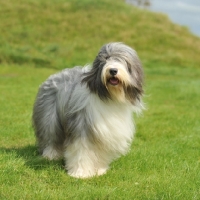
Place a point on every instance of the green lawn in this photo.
(38, 38)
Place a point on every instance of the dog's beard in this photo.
(115, 83)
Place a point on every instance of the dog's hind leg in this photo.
(48, 129)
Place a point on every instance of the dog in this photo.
(85, 114)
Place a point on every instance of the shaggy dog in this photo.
(85, 114)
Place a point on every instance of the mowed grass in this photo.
(39, 38)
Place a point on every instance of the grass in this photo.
(38, 38)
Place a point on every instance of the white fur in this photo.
(113, 126)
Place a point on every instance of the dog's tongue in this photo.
(113, 81)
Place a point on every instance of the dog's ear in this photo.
(93, 79)
(135, 90)
(133, 94)
(137, 74)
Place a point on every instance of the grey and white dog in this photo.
(85, 114)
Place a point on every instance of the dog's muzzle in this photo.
(113, 80)
(113, 71)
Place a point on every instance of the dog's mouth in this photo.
(113, 81)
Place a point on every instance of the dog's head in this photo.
(116, 74)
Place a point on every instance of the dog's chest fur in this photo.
(107, 124)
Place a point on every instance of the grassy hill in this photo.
(60, 33)
(38, 38)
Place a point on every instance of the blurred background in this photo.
(64, 33)
(184, 12)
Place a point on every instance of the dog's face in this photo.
(116, 74)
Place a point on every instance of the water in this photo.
(183, 12)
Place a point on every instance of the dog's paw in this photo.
(80, 173)
(51, 154)
(101, 171)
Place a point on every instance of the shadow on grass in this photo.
(32, 158)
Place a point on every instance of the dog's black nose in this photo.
(113, 71)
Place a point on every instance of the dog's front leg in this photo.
(82, 160)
